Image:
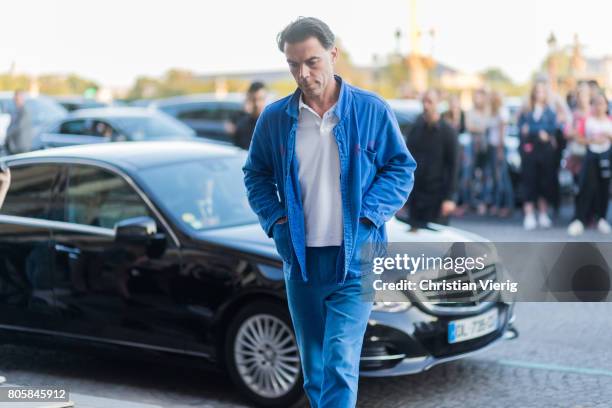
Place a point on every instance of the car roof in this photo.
(112, 112)
(234, 98)
(135, 155)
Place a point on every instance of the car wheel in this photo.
(262, 355)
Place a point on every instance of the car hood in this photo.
(251, 238)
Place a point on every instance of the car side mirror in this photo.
(137, 229)
(141, 230)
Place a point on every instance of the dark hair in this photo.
(593, 82)
(605, 98)
(255, 86)
(304, 28)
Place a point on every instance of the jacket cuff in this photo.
(269, 223)
(376, 219)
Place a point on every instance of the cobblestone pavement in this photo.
(562, 358)
(511, 229)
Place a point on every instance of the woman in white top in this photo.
(594, 184)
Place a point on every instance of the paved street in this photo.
(511, 230)
(562, 359)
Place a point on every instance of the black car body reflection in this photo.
(152, 245)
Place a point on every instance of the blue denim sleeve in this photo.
(395, 173)
(259, 180)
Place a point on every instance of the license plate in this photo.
(472, 327)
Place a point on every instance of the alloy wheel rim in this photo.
(267, 356)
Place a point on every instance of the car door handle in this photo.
(67, 249)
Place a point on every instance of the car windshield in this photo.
(155, 126)
(202, 194)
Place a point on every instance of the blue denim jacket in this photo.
(546, 122)
(376, 176)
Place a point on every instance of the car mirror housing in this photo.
(134, 230)
(141, 231)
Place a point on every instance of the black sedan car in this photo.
(153, 246)
(111, 124)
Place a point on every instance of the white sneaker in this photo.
(529, 223)
(603, 226)
(544, 221)
(575, 228)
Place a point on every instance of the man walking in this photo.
(434, 145)
(256, 101)
(19, 132)
(327, 167)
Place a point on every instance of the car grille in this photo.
(455, 300)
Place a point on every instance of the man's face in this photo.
(479, 100)
(430, 106)
(258, 102)
(19, 99)
(311, 65)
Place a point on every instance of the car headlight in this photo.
(391, 307)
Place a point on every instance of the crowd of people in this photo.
(456, 178)
(453, 178)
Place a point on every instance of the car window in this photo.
(208, 111)
(211, 111)
(203, 194)
(100, 198)
(30, 192)
(75, 127)
(101, 128)
(154, 126)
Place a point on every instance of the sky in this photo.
(114, 41)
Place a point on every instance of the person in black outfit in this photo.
(433, 143)
(537, 127)
(255, 103)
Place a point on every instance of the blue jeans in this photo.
(329, 320)
(498, 186)
(466, 172)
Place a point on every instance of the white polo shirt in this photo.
(319, 176)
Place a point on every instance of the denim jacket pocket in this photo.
(282, 240)
(366, 236)
(368, 166)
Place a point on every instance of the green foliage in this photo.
(181, 82)
(50, 84)
(496, 75)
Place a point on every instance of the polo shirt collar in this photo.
(341, 106)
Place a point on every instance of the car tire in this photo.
(262, 357)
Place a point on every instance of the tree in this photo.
(496, 75)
